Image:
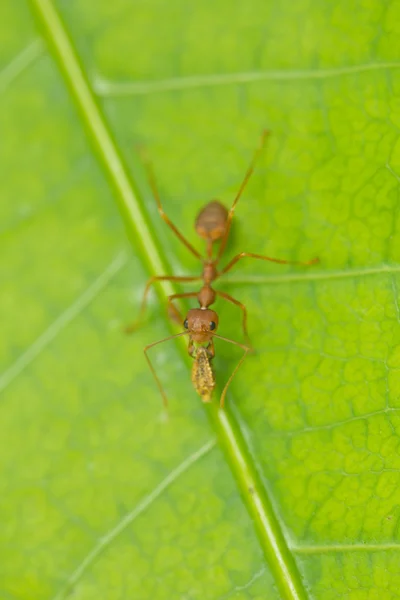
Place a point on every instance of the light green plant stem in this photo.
(268, 528)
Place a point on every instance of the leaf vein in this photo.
(20, 63)
(312, 276)
(327, 548)
(329, 426)
(245, 586)
(66, 317)
(128, 519)
(104, 87)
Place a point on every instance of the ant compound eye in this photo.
(212, 325)
(185, 324)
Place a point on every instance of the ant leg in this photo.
(153, 185)
(244, 309)
(247, 176)
(261, 257)
(131, 328)
(246, 351)
(173, 312)
(146, 349)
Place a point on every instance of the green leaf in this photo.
(293, 491)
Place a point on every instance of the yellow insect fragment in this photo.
(202, 374)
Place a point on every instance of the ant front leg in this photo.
(211, 349)
(173, 312)
(235, 370)
(244, 311)
(131, 328)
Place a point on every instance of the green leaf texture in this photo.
(294, 491)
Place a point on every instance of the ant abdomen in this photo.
(211, 221)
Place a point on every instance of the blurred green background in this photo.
(101, 496)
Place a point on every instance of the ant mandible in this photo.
(213, 224)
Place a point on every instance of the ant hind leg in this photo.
(165, 218)
(247, 176)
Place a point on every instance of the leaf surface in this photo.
(101, 496)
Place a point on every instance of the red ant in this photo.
(213, 224)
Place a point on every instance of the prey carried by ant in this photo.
(213, 224)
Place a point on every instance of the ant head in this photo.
(201, 323)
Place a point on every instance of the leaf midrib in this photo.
(279, 557)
